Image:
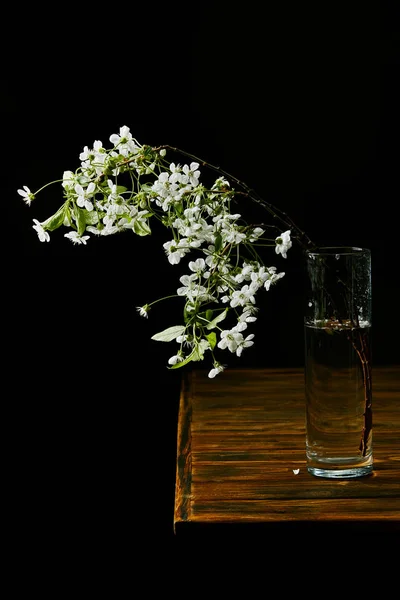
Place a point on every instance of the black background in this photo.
(301, 103)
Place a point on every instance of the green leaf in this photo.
(218, 242)
(212, 339)
(91, 217)
(141, 228)
(199, 350)
(56, 220)
(80, 219)
(67, 217)
(169, 334)
(217, 319)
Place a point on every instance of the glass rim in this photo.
(341, 250)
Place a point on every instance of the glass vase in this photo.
(338, 382)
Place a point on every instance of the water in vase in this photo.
(338, 392)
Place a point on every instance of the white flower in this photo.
(173, 252)
(186, 340)
(124, 142)
(26, 195)
(243, 296)
(283, 243)
(191, 173)
(190, 286)
(230, 339)
(259, 277)
(177, 358)
(113, 191)
(84, 195)
(76, 238)
(143, 310)
(85, 155)
(245, 343)
(247, 316)
(216, 370)
(273, 277)
(68, 180)
(245, 273)
(42, 234)
(255, 234)
(197, 266)
(233, 235)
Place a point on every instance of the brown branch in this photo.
(363, 354)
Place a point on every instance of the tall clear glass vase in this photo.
(338, 378)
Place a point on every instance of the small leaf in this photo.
(67, 218)
(169, 334)
(141, 228)
(199, 350)
(218, 242)
(56, 220)
(217, 319)
(212, 339)
(91, 217)
(80, 219)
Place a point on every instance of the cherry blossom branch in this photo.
(301, 236)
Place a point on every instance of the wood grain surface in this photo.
(241, 437)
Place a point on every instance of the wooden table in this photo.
(241, 439)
